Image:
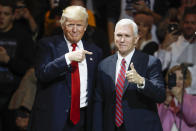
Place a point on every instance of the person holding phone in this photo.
(178, 111)
(178, 49)
(25, 19)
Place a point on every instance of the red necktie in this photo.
(75, 91)
(119, 91)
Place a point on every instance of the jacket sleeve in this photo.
(48, 66)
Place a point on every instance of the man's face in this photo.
(125, 40)
(20, 9)
(6, 18)
(74, 30)
(189, 25)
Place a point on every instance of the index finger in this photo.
(88, 52)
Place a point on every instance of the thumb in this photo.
(87, 52)
(132, 66)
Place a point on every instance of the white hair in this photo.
(127, 22)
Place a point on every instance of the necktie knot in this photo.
(74, 46)
(123, 61)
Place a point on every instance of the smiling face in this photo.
(74, 29)
(125, 39)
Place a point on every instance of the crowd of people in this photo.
(97, 65)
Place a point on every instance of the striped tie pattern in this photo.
(119, 91)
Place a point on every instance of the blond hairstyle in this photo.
(188, 79)
(75, 13)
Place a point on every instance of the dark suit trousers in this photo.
(80, 126)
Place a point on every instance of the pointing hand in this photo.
(78, 55)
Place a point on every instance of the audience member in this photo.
(52, 24)
(130, 7)
(162, 6)
(145, 43)
(173, 52)
(16, 56)
(24, 18)
(107, 13)
(178, 112)
(185, 4)
(23, 98)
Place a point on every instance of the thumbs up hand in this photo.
(133, 76)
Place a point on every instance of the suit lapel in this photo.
(61, 46)
(89, 58)
(90, 63)
(113, 70)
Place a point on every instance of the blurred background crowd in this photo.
(167, 30)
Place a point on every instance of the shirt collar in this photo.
(127, 58)
(79, 44)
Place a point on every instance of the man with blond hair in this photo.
(65, 71)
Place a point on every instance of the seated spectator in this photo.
(178, 112)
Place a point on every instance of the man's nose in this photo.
(122, 39)
(74, 28)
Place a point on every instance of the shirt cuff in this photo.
(141, 86)
(67, 59)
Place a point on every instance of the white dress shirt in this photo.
(127, 59)
(83, 73)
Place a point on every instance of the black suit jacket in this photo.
(139, 105)
(53, 99)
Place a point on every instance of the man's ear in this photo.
(62, 26)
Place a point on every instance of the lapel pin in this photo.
(91, 59)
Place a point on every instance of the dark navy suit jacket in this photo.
(139, 105)
(53, 99)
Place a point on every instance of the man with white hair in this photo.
(129, 84)
(66, 70)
